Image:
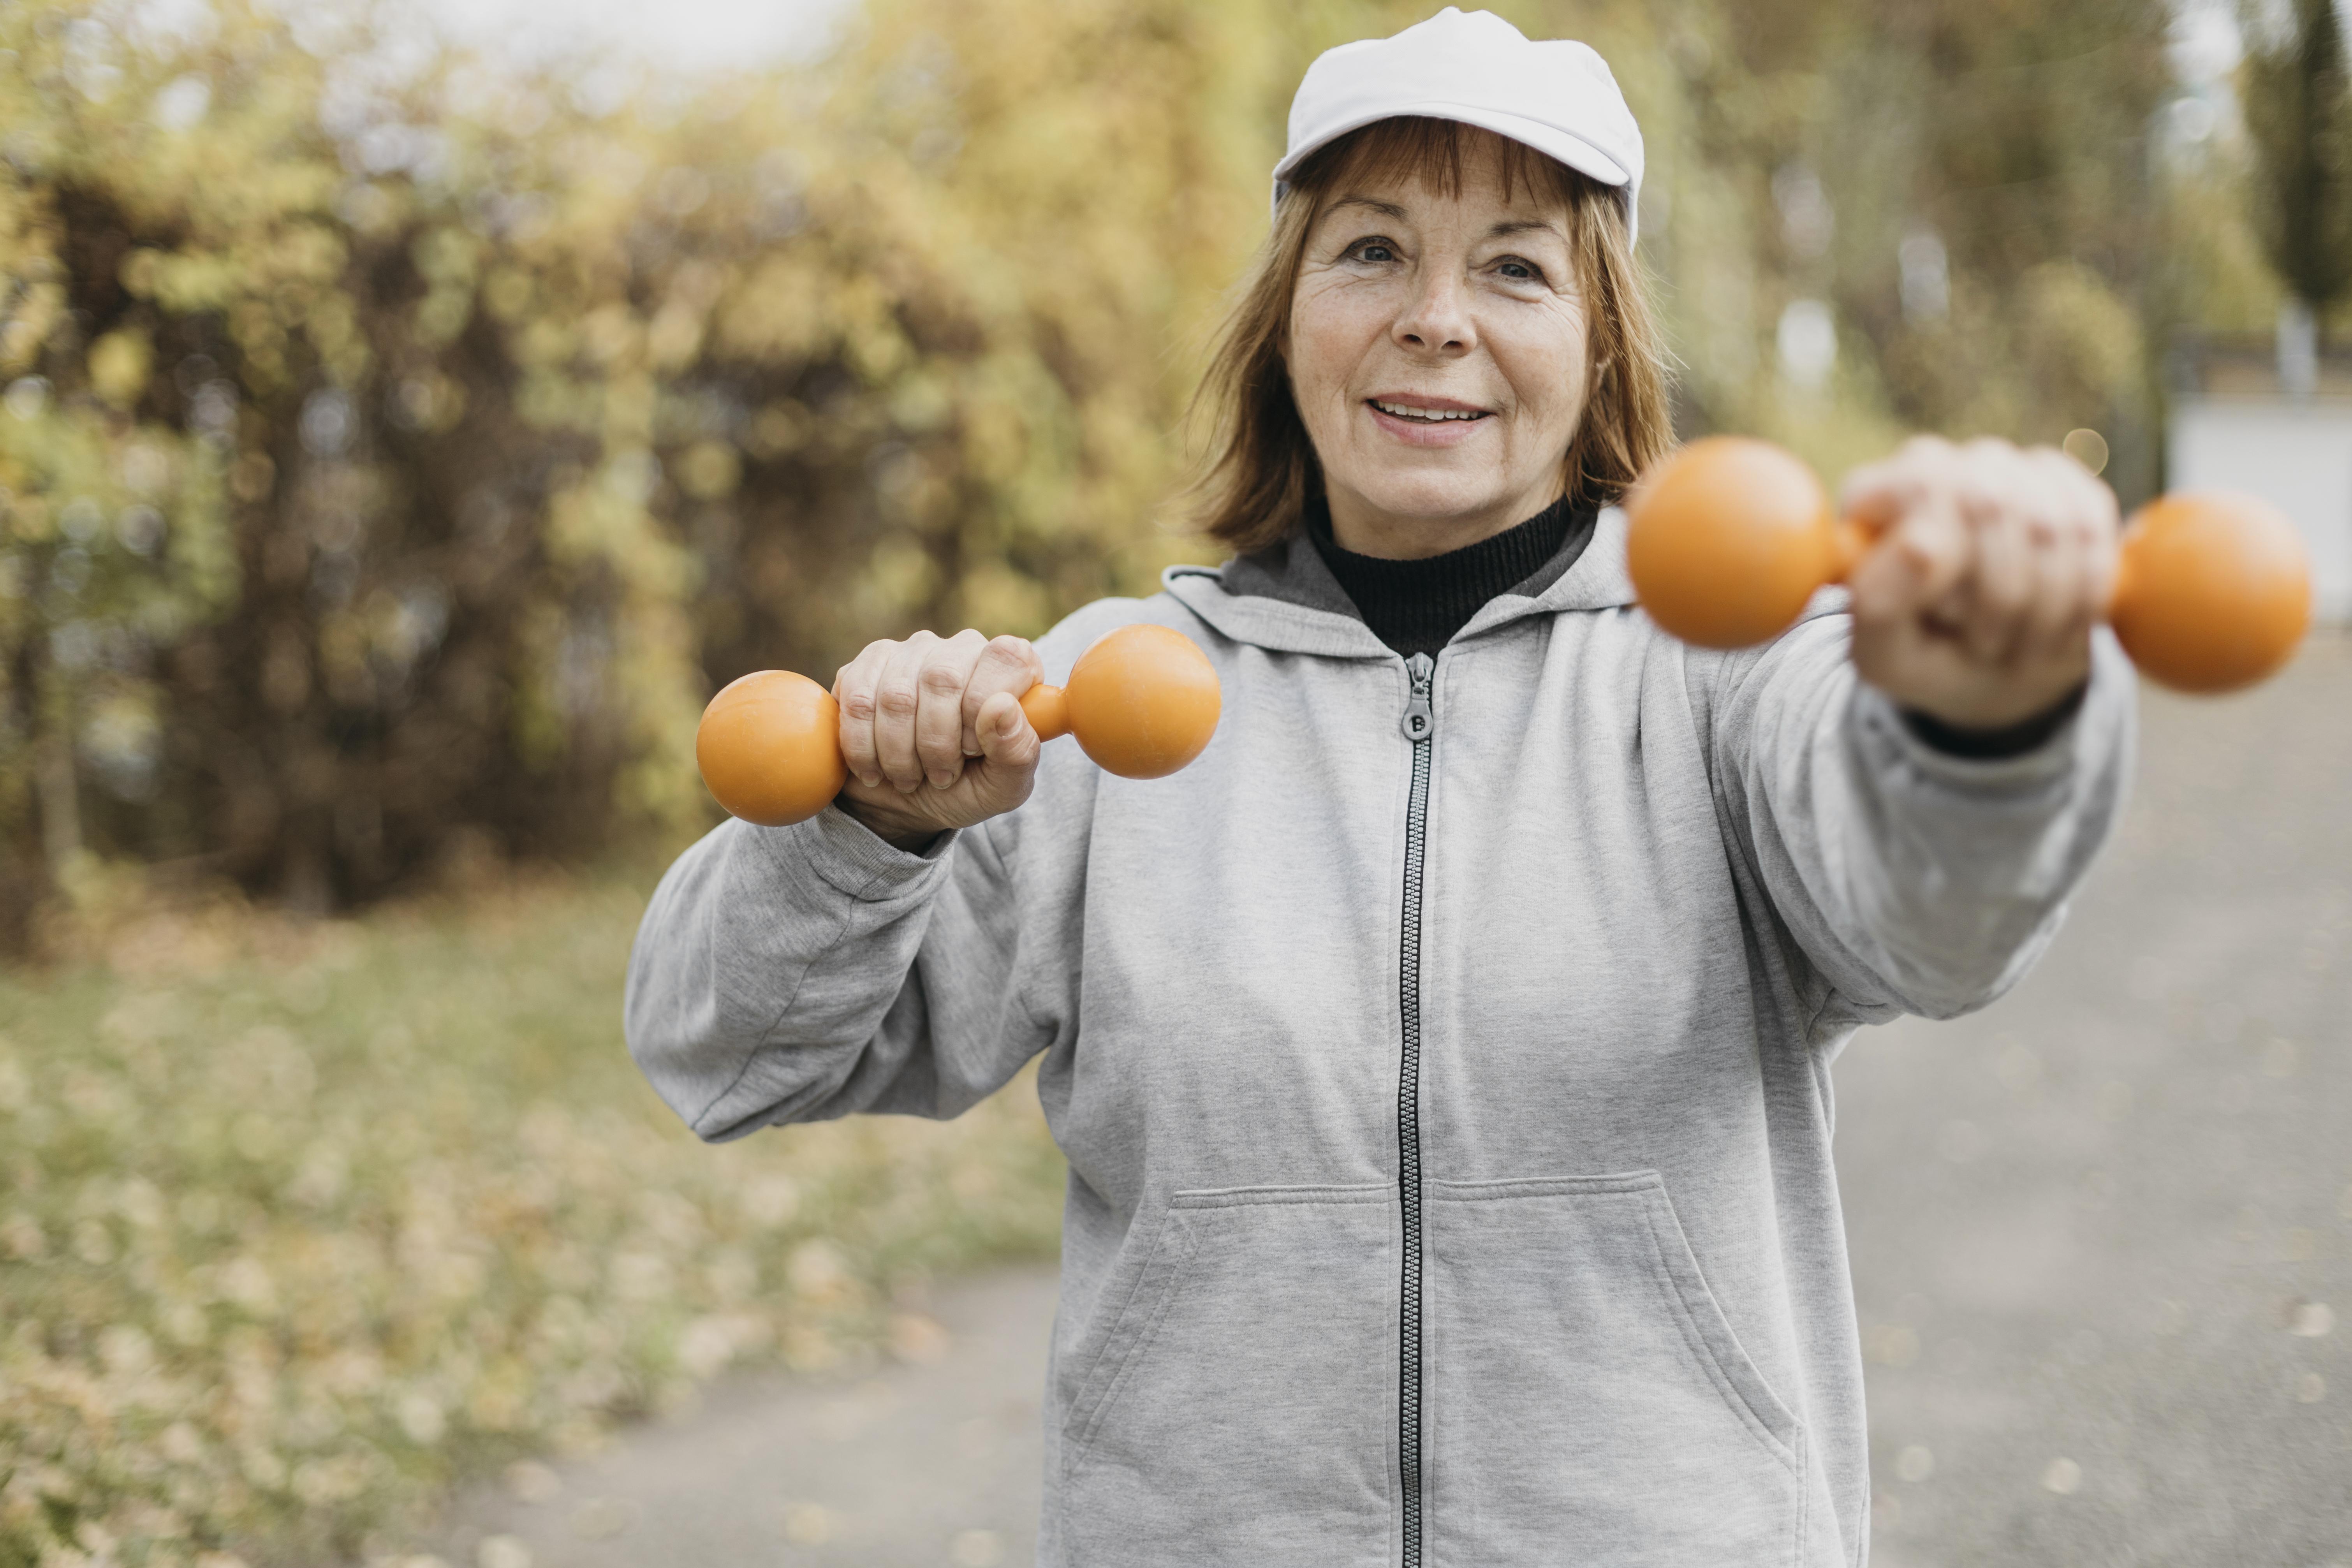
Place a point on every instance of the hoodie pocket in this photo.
(1237, 1409)
(1586, 1396)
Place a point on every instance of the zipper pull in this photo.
(1420, 718)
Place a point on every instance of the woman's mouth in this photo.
(1426, 424)
(1425, 416)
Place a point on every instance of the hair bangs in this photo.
(1412, 149)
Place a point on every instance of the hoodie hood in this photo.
(1285, 599)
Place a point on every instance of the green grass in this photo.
(299, 1223)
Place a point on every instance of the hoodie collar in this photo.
(1285, 599)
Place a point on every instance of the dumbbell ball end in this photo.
(768, 748)
(1143, 701)
(1727, 539)
(2213, 590)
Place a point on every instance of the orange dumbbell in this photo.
(1726, 539)
(1142, 701)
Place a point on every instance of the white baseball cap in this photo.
(1556, 95)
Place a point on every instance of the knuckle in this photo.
(858, 702)
(1920, 549)
(941, 680)
(898, 699)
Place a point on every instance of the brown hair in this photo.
(1261, 466)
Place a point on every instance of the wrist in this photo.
(1994, 741)
(897, 831)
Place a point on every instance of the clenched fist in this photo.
(1992, 563)
(933, 732)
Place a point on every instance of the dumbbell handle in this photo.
(1047, 709)
(1729, 538)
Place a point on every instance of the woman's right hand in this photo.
(933, 732)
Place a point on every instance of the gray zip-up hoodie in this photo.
(1442, 1062)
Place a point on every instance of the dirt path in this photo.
(2101, 1237)
(2101, 1232)
(916, 1467)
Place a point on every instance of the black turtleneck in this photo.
(1417, 606)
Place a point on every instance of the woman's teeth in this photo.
(1427, 415)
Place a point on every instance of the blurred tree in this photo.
(2298, 104)
(490, 424)
(1990, 167)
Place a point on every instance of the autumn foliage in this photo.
(395, 454)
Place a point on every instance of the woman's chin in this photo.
(1441, 503)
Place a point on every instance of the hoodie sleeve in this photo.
(803, 972)
(1913, 880)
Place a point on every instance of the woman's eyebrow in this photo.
(1386, 209)
(1525, 226)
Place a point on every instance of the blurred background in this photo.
(409, 416)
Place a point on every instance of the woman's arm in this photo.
(798, 974)
(1916, 878)
(866, 959)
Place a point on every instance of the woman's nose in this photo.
(1436, 320)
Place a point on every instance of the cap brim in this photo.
(1550, 139)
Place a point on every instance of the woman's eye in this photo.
(1373, 250)
(1520, 272)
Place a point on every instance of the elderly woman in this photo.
(1442, 1059)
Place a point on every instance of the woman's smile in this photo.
(1419, 421)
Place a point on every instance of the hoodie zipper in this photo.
(1420, 723)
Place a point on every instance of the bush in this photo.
(396, 457)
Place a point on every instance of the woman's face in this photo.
(1437, 357)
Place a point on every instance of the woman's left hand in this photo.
(1991, 564)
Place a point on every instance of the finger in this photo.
(1007, 740)
(1001, 777)
(897, 698)
(2052, 617)
(1995, 500)
(1916, 564)
(1007, 664)
(2102, 520)
(2062, 536)
(853, 690)
(939, 717)
(1877, 494)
